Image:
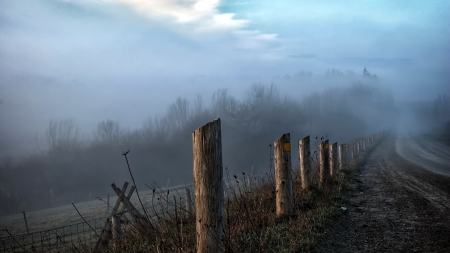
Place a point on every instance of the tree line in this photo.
(71, 168)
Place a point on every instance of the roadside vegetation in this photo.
(251, 224)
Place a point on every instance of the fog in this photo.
(265, 68)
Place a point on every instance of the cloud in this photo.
(202, 17)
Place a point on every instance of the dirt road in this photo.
(399, 200)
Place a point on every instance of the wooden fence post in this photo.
(353, 151)
(283, 182)
(357, 148)
(116, 230)
(349, 154)
(333, 159)
(187, 195)
(324, 153)
(305, 162)
(341, 156)
(346, 154)
(208, 173)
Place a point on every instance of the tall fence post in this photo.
(357, 148)
(333, 159)
(116, 230)
(304, 149)
(341, 156)
(187, 196)
(283, 182)
(324, 170)
(208, 173)
(353, 152)
(345, 155)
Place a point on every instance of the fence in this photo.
(207, 149)
(74, 236)
(210, 192)
(80, 237)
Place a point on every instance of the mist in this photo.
(83, 81)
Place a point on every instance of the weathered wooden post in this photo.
(349, 154)
(283, 182)
(305, 162)
(208, 173)
(357, 148)
(116, 230)
(341, 152)
(344, 155)
(333, 159)
(353, 151)
(324, 153)
(187, 196)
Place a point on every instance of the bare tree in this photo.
(178, 113)
(198, 105)
(108, 131)
(157, 128)
(62, 133)
(224, 104)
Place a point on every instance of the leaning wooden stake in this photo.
(324, 170)
(333, 159)
(208, 170)
(283, 182)
(305, 162)
(105, 234)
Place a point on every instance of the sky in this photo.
(127, 60)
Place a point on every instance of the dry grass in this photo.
(251, 224)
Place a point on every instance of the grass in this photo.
(251, 224)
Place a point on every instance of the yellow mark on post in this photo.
(287, 147)
(327, 146)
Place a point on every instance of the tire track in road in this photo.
(424, 152)
(400, 171)
(437, 197)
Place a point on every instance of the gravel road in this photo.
(399, 200)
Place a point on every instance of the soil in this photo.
(393, 205)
